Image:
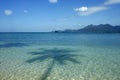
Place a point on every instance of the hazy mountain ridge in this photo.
(102, 28)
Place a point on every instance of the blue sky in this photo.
(48, 15)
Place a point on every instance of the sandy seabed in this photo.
(91, 63)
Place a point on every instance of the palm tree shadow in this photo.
(59, 56)
(9, 45)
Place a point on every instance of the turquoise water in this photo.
(59, 56)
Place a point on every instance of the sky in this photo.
(50, 15)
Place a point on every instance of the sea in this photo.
(59, 56)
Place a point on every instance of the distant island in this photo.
(102, 28)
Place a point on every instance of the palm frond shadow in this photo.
(58, 56)
(8, 45)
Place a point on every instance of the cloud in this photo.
(84, 11)
(25, 11)
(111, 2)
(8, 12)
(53, 1)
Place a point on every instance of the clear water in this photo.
(59, 56)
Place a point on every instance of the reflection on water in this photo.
(59, 56)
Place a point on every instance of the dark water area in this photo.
(61, 38)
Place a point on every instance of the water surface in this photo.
(59, 56)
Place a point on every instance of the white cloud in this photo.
(53, 1)
(110, 2)
(83, 9)
(25, 11)
(89, 10)
(8, 12)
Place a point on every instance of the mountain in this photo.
(102, 28)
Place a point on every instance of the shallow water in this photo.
(53, 56)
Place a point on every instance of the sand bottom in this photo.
(78, 63)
